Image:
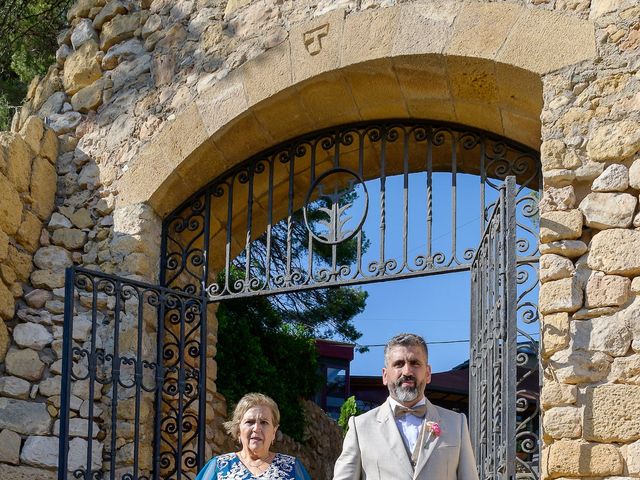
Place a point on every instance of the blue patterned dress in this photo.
(229, 467)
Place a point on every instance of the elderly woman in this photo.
(255, 422)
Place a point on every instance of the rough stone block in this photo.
(19, 162)
(118, 29)
(32, 335)
(43, 187)
(555, 199)
(10, 472)
(610, 335)
(10, 207)
(24, 363)
(631, 454)
(47, 279)
(52, 258)
(615, 178)
(634, 175)
(625, 370)
(29, 232)
(564, 295)
(10, 447)
(562, 422)
(555, 333)
(40, 451)
(606, 290)
(555, 267)
(555, 394)
(576, 458)
(560, 225)
(615, 141)
(27, 418)
(575, 367)
(615, 251)
(82, 68)
(14, 387)
(608, 210)
(70, 238)
(611, 413)
(5, 340)
(566, 248)
(7, 303)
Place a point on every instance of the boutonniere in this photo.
(434, 430)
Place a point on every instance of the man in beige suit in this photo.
(407, 437)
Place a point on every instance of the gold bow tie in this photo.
(418, 411)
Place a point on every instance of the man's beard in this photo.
(406, 394)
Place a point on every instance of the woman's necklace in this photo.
(260, 463)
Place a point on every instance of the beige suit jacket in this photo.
(373, 449)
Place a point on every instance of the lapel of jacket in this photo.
(392, 436)
(431, 440)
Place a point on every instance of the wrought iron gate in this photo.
(492, 386)
(142, 375)
(126, 357)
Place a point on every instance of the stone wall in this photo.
(151, 99)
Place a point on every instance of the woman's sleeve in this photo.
(209, 471)
(301, 472)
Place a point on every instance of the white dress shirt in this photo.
(408, 425)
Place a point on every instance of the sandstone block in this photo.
(118, 29)
(78, 454)
(632, 456)
(37, 298)
(59, 221)
(82, 33)
(610, 335)
(10, 207)
(626, 370)
(615, 251)
(81, 218)
(562, 422)
(49, 145)
(5, 340)
(90, 97)
(635, 285)
(78, 427)
(576, 458)
(558, 199)
(14, 387)
(555, 333)
(19, 162)
(62, 123)
(69, 238)
(27, 418)
(82, 8)
(7, 303)
(564, 295)
(575, 367)
(560, 225)
(40, 451)
(29, 232)
(109, 11)
(555, 267)
(52, 258)
(608, 210)
(43, 187)
(606, 290)
(81, 68)
(9, 472)
(32, 335)
(32, 132)
(10, 447)
(615, 178)
(20, 262)
(555, 394)
(634, 175)
(47, 279)
(611, 413)
(615, 141)
(89, 176)
(4, 245)
(555, 155)
(566, 248)
(50, 387)
(631, 314)
(24, 363)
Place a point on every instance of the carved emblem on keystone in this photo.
(313, 39)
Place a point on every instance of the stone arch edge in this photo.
(253, 107)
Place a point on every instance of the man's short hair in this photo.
(405, 340)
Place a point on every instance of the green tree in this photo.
(348, 409)
(28, 31)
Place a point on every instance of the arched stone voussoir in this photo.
(479, 64)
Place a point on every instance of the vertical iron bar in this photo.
(181, 387)
(429, 196)
(405, 199)
(383, 179)
(93, 367)
(227, 248)
(115, 378)
(202, 379)
(159, 387)
(247, 246)
(65, 391)
(483, 178)
(138, 377)
(290, 213)
(454, 196)
(269, 223)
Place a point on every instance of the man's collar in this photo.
(393, 402)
